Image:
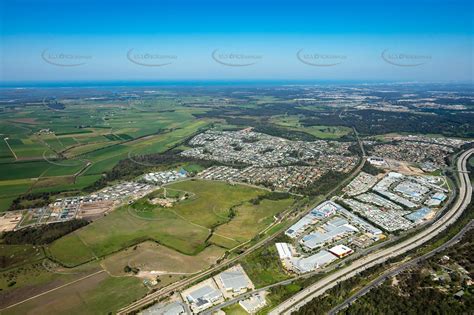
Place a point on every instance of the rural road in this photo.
(464, 198)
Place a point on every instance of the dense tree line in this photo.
(373, 122)
(277, 131)
(35, 200)
(43, 234)
(274, 195)
(370, 169)
(411, 300)
(323, 185)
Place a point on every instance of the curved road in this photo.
(464, 198)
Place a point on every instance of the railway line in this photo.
(155, 296)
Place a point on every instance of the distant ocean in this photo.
(183, 83)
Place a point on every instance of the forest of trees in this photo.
(43, 234)
(366, 121)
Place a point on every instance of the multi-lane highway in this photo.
(397, 270)
(150, 298)
(464, 198)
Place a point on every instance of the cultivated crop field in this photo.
(70, 148)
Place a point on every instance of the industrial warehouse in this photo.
(369, 209)
(227, 284)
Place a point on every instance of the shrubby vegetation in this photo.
(264, 267)
(43, 234)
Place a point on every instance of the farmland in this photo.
(61, 143)
(55, 150)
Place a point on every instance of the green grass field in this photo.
(234, 309)
(100, 294)
(152, 256)
(14, 255)
(322, 132)
(253, 217)
(185, 227)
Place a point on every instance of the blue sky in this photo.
(234, 40)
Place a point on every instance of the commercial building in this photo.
(234, 280)
(299, 227)
(362, 183)
(336, 228)
(387, 219)
(253, 303)
(374, 160)
(326, 209)
(341, 251)
(203, 297)
(366, 226)
(310, 263)
(284, 250)
(436, 199)
(384, 185)
(173, 308)
(160, 178)
(411, 190)
(419, 215)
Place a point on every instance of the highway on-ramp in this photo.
(318, 288)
